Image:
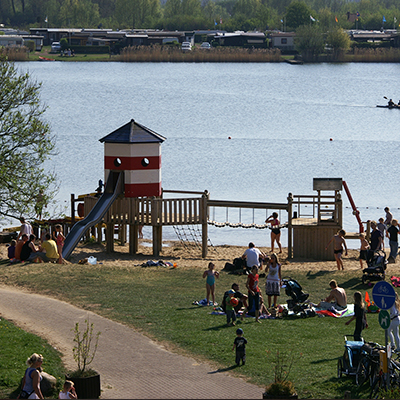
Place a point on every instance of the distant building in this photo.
(283, 41)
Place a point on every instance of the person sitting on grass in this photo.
(29, 250)
(242, 298)
(48, 250)
(338, 295)
(11, 249)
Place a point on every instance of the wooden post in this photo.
(133, 239)
(204, 224)
(290, 227)
(339, 206)
(99, 232)
(154, 222)
(72, 209)
(110, 238)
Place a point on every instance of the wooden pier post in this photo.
(204, 224)
(290, 228)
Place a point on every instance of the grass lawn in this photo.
(16, 346)
(158, 302)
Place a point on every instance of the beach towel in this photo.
(204, 303)
(332, 312)
(395, 281)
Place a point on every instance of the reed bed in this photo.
(14, 53)
(217, 54)
(389, 55)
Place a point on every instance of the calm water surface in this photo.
(280, 119)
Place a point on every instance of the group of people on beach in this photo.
(388, 226)
(24, 249)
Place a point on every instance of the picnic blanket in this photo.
(204, 303)
(332, 312)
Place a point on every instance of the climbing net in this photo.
(191, 234)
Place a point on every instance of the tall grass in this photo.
(14, 53)
(388, 55)
(217, 54)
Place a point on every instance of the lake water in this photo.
(288, 124)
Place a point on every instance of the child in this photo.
(364, 248)
(339, 242)
(230, 310)
(68, 391)
(359, 316)
(240, 345)
(210, 274)
(11, 249)
(59, 238)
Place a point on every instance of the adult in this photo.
(254, 290)
(382, 227)
(337, 298)
(338, 243)
(393, 234)
(32, 377)
(394, 324)
(376, 240)
(389, 217)
(275, 231)
(29, 250)
(274, 279)
(19, 245)
(238, 295)
(253, 256)
(48, 250)
(26, 228)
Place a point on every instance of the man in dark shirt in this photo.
(393, 234)
(376, 240)
(239, 295)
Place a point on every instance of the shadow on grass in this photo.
(354, 283)
(223, 369)
(217, 328)
(325, 360)
(315, 275)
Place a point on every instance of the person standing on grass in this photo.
(393, 234)
(254, 291)
(210, 274)
(394, 324)
(359, 315)
(275, 231)
(338, 244)
(240, 345)
(32, 378)
(274, 279)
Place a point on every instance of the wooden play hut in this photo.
(318, 218)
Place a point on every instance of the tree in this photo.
(309, 42)
(338, 40)
(298, 13)
(25, 144)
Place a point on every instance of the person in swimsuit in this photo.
(275, 231)
(338, 244)
(59, 238)
(210, 274)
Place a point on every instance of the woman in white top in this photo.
(274, 279)
(394, 324)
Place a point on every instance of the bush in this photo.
(30, 44)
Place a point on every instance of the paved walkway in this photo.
(131, 365)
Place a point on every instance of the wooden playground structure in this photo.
(311, 219)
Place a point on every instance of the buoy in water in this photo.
(229, 137)
(330, 139)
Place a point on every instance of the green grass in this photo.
(16, 346)
(158, 302)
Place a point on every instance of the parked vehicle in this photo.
(205, 45)
(55, 47)
(186, 46)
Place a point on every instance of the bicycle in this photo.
(368, 366)
(384, 381)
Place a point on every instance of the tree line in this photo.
(229, 15)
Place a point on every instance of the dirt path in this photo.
(130, 364)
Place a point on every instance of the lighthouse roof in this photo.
(132, 132)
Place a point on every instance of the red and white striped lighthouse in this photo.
(136, 150)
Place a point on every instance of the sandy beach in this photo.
(189, 256)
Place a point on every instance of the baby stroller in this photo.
(353, 352)
(376, 267)
(298, 302)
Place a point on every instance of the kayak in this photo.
(395, 106)
(46, 59)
